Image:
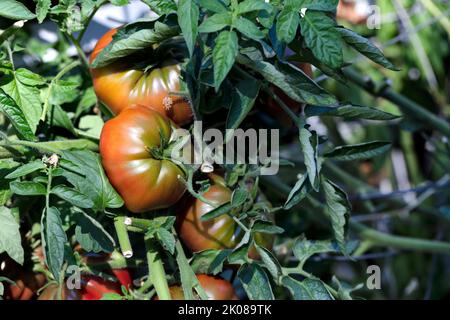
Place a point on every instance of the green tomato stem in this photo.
(122, 235)
(406, 105)
(156, 270)
(60, 74)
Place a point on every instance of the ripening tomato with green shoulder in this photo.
(123, 83)
(215, 288)
(135, 152)
(218, 233)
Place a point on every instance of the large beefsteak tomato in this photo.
(132, 148)
(123, 84)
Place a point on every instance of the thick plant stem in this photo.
(156, 270)
(122, 235)
(406, 105)
(381, 239)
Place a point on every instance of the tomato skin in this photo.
(218, 233)
(120, 85)
(92, 288)
(95, 287)
(145, 183)
(215, 287)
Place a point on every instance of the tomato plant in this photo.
(314, 139)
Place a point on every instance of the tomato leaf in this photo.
(26, 169)
(188, 13)
(215, 23)
(10, 239)
(15, 10)
(365, 47)
(161, 6)
(248, 28)
(73, 196)
(308, 289)
(53, 240)
(255, 282)
(12, 111)
(91, 235)
(26, 97)
(287, 24)
(252, 5)
(215, 6)
(42, 9)
(359, 151)
(309, 142)
(28, 188)
(338, 209)
(319, 5)
(350, 112)
(167, 239)
(270, 262)
(244, 97)
(133, 38)
(261, 226)
(209, 261)
(321, 37)
(93, 181)
(299, 192)
(224, 55)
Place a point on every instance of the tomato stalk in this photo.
(156, 270)
(122, 235)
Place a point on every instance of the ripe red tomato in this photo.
(92, 288)
(218, 233)
(216, 288)
(122, 84)
(144, 180)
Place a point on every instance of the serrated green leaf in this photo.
(161, 6)
(215, 6)
(215, 23)
(322, 5)
(349, 111)
(270, 262)
(53, 240)
(73, 196)
(224, 55)
(262, 226)
(15, 10)
(28, 188)
(303, 249)
(255, 282)
(29, 78)
(248, 28)
(299, 192)
(26, 169)
(338, 209)
(209, 261)
(13, 112)
(287, 25)
(309, 142)
(359, 151)
(10, 238)
(188, 14)
(308, 289)
(252, 5)
(167, 240)
(365, 47)
(321, 37)
(91, 235)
